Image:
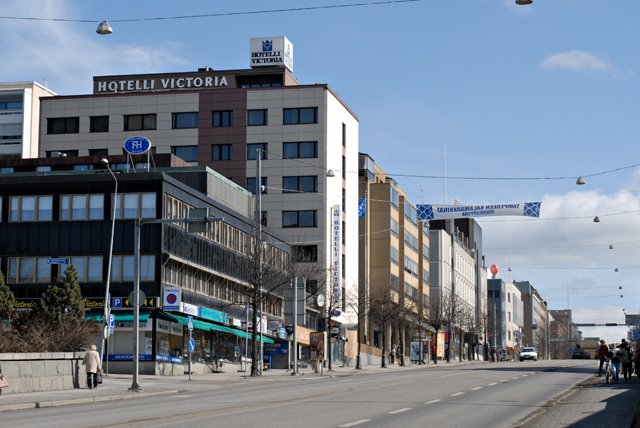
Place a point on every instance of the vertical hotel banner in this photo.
(447, 212)
(336, 253)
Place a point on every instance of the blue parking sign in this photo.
(112, 323)
(116, 302)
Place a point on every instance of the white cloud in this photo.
(69, 54)
(576, 60)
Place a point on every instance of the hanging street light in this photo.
(104, 28)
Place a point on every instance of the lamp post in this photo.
(107, 300)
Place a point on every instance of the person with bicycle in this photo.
(602, 354)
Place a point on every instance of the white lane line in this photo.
(525, 375)
(433, 401)
(514, 378)
(492, 383)
(456, 394)
(354, 423)
(477, 388)
(184, 396)
(400, 410)
(504, 380)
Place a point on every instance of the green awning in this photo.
(128, 316)
(94, 317)
(207, 326)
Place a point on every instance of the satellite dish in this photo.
(321, 300)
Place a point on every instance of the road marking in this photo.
(456, 394)
(525, 375)
(400, 410)
(433, 401)
(493, 383)
(477, 388)
(504, 380)
(514, 378)
(184, 396)
(354, 423)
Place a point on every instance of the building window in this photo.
(300, 116)
(63, 125)
(184, 120)
(252, 150)
(136, 205)
(89, 268)
(222, 119)
(139, 122)
(186, 153)
(257, 118)
(394, 198)
(251, 184)
(122, 268)
(221, 152)
(263, 218)
(305, 149)
(81, 207)
(31, 208)
(28, 270)
(394, 255)
(61, 153)
(394, 228)
(300, 184)
(99, 124)
(305, 253)
(306, 218)
(99, 152)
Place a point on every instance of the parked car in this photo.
(528, 354)
(579, 354)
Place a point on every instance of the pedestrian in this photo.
(614, 354)
(626, 358)
(92, 363)
(636, 360)
(602, 354)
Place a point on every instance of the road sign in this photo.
(192, 345)
(171, 298)
(112, 323)
(58, 260)
(116, 302)
(335, 313)
(190, 323)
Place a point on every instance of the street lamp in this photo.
(107, 300)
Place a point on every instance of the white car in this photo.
(528, 354)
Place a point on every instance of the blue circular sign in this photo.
(137, 145)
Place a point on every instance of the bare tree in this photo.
(439, 317)
(384, 312)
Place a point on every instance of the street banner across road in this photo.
(447, 212)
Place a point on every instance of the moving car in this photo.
(528, 354)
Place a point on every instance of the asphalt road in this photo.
(484, 394)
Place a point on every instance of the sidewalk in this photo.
(116, 386)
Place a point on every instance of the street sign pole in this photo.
(191, 343)
(135, 386)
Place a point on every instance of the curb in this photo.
(85, 400)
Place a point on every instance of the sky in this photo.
(511, 103)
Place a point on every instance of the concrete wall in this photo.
(47, 371)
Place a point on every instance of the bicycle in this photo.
(608, 370)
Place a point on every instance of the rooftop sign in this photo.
(154, 84)
(270, 51)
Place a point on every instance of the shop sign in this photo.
(169, 327)
(128, 357)
(336, 253)
(128, 325)
(89, 303)
(171, 298)
(190, 309)
(169, 359)
(213, 315)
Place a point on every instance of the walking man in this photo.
(92, 363)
